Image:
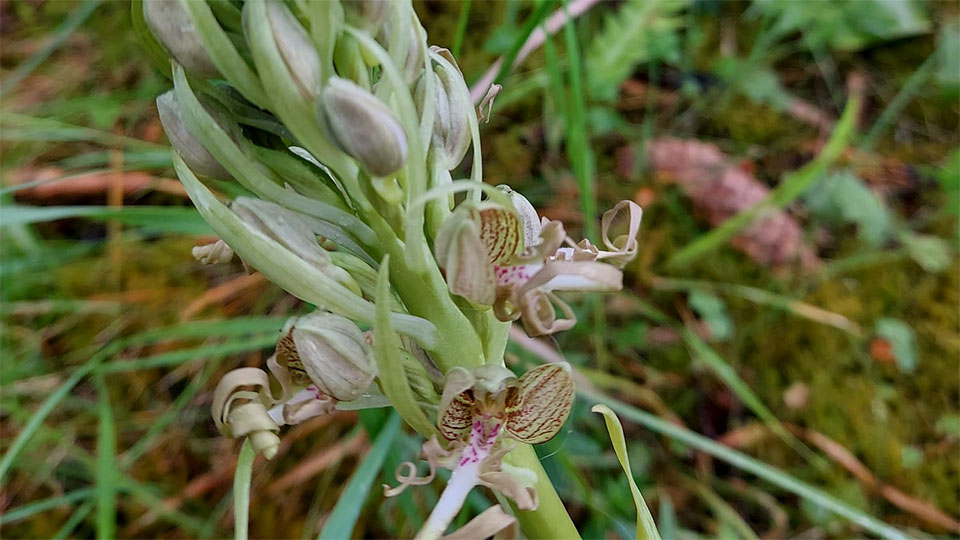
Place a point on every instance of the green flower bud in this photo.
(298, 52)
(334, 353)
(172, 27)
(451, 125)
(190, 149)
(362, 126)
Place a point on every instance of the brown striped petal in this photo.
(456, 404)
(500, 232)
(547, 399)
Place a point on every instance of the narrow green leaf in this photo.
(241, 490)
(21, 127)
(792, 186)
(74, 521)
(766, 298)
(47, 407)
(387, 351)
(176, 358)
(164, 219)
(237, 326)
(746, 463)
(18, 513)
(223, 53)
(646, 527)
(342, 520)
(106, 486)
(146, 497)
(725, 372)
(539, 14)
(461, 27)
(59, 37)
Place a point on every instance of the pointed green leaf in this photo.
(646, 527)
(387, 351)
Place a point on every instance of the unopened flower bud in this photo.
(333, 353)
(362, 126)
(190, 149)
(367, 14)
(296, 48)
(174, 29)
(451, 126)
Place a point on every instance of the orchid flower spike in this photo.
(514, 261)
(478, 410)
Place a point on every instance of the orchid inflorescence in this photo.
(331, 132)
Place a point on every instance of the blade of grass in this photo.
(66, 28)
(746, 463)
(106, 485)
(177, 358)
(54, 399)
(721, 508)
(583, 162)
(579, 150)
(342, 520)
(766, 298)
(146, 497)
(165, 219)
(793, 185)
(21, 127)
(36, 420)
(74, 521)
(23, 512)
(241, 491)
(725, 372)
(910, 88)
(461, 27)
(200, 329)
(534, 20)
(170, 415)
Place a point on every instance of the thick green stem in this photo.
(426, 295)
(550, 519)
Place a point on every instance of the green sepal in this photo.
(387, 349)
(223, 53)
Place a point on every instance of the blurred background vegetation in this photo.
(823, 342)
